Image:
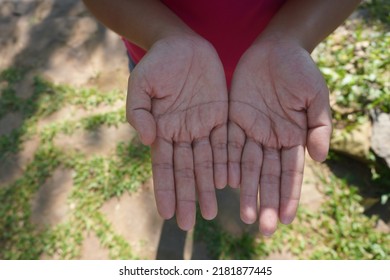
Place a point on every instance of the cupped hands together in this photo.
(253, 136)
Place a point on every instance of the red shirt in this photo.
(230, 25)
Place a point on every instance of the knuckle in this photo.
(162, 165)
(219, 146)
(235, 145)
(220, 164)
(249, 194)
(271, 154)
(202, 141)
(185, 173)
(270, 179)
(292, 172)
(183, 145)
(206, 165)
(288, 198)
(250, 165)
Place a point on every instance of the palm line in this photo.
(159, 116)
(270, 110)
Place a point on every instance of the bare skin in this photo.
(278, 105)
(178, 102)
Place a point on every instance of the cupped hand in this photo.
(278, 105)
(177, 101)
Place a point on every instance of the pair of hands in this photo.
(203, 137)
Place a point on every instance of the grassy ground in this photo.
(356, 66)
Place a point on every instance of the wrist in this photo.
(268, 42)
(270, 38)
(184, 43)
(308, 22)
(168, 34)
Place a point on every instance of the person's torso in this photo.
(230, 25)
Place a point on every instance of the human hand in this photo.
(278, 105)
(177, 101)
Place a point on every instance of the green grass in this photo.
(378, 12)
(356, 65)
(93, 185)
(93, 180)
(358, 72)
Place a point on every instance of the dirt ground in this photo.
(61, 41)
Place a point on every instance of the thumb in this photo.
(138, 111)
(319, 126)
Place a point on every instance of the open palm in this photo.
(278, 105)
(177, 101)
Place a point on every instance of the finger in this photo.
(293, 160)
(138, 108)
(269, 191)
(185, 185)
(319, 126)
(164, 183)
(219, 147)
(203, 160)
(251, 161)
(236, 140)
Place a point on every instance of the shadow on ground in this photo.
(55, 39)
(359, 174)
